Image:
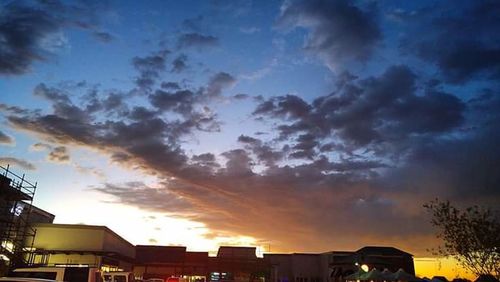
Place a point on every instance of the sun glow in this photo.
(448, 267)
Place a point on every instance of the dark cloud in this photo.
(17, 162)
(356, 165)
(264, 153)
(466, 36)
(255, 179)
(197, 41)
(150, 67)
(50, 93)
(59, 154)
(464, 164)
(327, 196)
(104, 120)
(139, 194)
(139, 113)
(305, 146)
(15, 110)
(115, 101)
(179, 64)
(239, 163)
(5, 139)
(22, 30)
(462, 170)
(62, 104)
(103, 36)
(121, 158)
(465, 60)
(207, 157)
(339, 30)
(289, 106)
(297, 201)
(32, 33)
(372, 111)
(181, 101)
(249, 140)
(170, 85)
(218, 83)
(467, 165)
(40, 147)
(192, 105)
(206, 163)
(241, 96)
(110, 103)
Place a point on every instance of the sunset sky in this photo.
(295, 126)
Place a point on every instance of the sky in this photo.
(293, 126)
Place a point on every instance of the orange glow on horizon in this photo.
(447, 267)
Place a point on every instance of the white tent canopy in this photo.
(402, 275)
(386, 275)
(356, 275)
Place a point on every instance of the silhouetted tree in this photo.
(471, 236)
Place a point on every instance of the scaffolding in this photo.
(16, 233)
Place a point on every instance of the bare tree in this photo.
(471, 236)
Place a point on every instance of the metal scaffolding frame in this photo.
(16, 233)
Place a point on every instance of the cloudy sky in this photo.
(290, 125)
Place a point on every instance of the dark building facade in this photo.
(385, 258)
(334, 266)
(296, 267)
(168, 261)
(237, 264)
(37, 215)
(230, 264)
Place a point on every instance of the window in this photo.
(33, 274)
(76, 274)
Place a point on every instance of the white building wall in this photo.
(68, 237)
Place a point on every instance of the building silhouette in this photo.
(29, 238)
(335, 265)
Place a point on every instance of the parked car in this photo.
(176, 279)
(73, 274)
(118, 277)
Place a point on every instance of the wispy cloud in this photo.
(17, 162)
